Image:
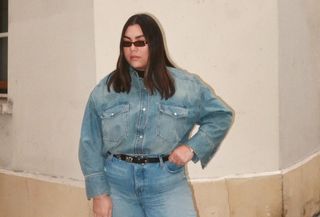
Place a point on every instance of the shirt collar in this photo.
(133, 73)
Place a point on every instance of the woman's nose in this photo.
(133, 48)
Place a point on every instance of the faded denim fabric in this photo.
(139, 123)
(148, 190)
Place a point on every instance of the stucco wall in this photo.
(233, 46)
(58, 50)
(51, 71)
(299, 76)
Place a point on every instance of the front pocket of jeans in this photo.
(173, 168)
(115, 169)
(114, 123)
(172, 123)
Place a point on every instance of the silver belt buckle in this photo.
(143, 158)
(129, 159)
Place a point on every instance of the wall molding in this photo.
(80, 182)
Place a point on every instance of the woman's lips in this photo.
(134, 57)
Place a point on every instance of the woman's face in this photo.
(136, 55)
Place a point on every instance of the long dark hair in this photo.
(156, 76)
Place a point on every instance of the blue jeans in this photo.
(148, 190)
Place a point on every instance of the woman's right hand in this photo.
(102, 206)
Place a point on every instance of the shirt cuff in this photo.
(96, 184)
(202, 148)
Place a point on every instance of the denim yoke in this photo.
(140, 123)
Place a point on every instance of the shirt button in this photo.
(112, 114)
(143, 109)
(175, 114)
(141, 136)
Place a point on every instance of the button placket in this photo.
(142, 118)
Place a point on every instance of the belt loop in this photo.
(161, 161)
(109, 155)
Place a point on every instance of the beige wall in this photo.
(233, 46)
(58, 50)
(299, 74)
(51, 71)
(6, 146)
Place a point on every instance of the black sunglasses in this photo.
(135, 43)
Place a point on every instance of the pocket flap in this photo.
(174, 111)
(115, 110)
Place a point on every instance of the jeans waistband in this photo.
(140, 159)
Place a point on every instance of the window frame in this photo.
(5, 83)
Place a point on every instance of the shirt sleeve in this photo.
(90, 153)
(215, 119)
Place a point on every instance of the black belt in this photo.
(140, 159)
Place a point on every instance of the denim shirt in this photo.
(139, 123)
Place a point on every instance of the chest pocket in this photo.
(114, 122)
(172, 123)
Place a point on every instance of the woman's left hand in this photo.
(181, 155)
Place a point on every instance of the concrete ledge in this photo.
(294, 192)
(27, 197)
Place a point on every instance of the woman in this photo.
(135, 133)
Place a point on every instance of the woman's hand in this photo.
(102, 206)
(181, 155)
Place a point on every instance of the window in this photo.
(3, 47)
